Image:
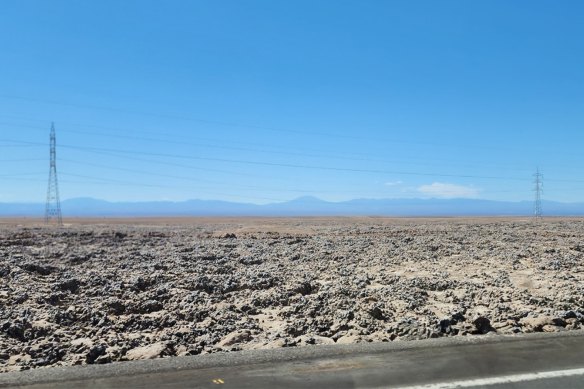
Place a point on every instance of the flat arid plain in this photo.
(98, 291)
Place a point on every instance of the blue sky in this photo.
(262, 101)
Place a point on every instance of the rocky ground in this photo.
(86, 294)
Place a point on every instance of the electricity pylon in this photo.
(53, 207)
(538, 189)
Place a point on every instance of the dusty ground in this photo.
(98, 291)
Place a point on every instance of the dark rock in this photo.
(64, 318)
(95, 352)
(55, 298)
(482, 325)
(304, 288)
(249, 310)
(142, 284)
(204, 284)
(72, 285)
(207, 257)
(21, 298)
(150, 306)
(43, 270)
(4, 271)
(558, 321)
(103, 359)
(78, 258)
(251, 261)
(16, 330)
(116, 306)
(377, 313)
(457, 318)
(444, 326)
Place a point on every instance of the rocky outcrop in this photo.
(98, 294)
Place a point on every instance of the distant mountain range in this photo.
(303, 206)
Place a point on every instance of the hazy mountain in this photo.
(303, 206)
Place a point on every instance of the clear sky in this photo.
(262, 101)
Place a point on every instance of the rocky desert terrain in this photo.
(91, 293)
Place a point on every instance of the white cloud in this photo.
(448, 191)
(393, 183)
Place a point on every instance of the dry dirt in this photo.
(98, 291)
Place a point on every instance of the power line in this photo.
(13, 145)
(149, 173)
(125, 183)
(22, 174)
(23, 160)
(122, 154)
(100, 180)
(287, 165)
(165, 163)
(276, 164)
(344, 157)
(231, 124)
(198, 120)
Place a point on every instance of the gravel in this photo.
(91, 294)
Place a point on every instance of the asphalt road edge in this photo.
(249, 357)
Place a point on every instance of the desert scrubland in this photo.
(102, 291)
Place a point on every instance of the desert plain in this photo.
(98, 291)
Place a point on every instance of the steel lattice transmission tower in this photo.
(53, 207)
(538, 189)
